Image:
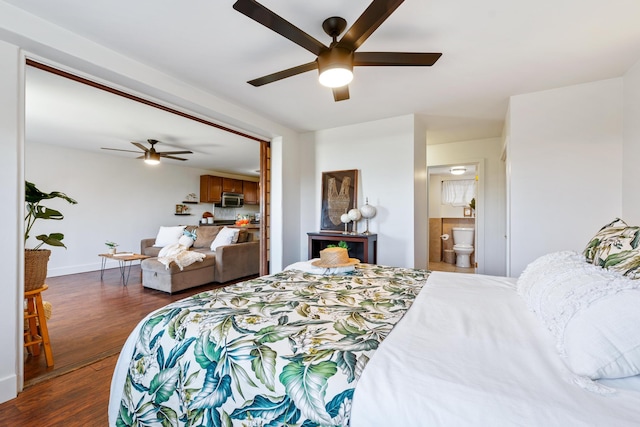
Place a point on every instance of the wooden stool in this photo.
(34, 318)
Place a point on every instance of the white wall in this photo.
(383, 152)
(565, 156)
(420, 202)
(631, 146)
(11, 191)
(119, 199)
(490, 206)
(310, 193)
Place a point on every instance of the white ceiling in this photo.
(60, 111)
(492, 49)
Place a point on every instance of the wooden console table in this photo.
(361, 246)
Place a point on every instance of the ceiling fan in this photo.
(151, 156)
(335, 63)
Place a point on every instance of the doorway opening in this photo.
(453, 199)
(258, 146)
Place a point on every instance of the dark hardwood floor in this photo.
(90, 322)
(77, 399)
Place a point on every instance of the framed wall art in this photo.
(339, 194)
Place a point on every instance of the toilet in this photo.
(463, 245)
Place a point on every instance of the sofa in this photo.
(222, 264)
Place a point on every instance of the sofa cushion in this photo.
(187, 239)
(205, 236)
(168, 235)
(244, 236)
(226, 236)
(153, 265)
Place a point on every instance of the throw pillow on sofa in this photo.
(205, 236)
(188, 237)
(226, 236)
(243, 236)
(168, 236)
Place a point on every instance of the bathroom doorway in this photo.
(453, 201)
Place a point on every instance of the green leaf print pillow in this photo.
(616, 247)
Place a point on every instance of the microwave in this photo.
(231, 200)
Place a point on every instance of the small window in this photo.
(458, 192)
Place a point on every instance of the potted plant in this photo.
(341, 244)
(36, 259)
(472, 205)
(112, 247)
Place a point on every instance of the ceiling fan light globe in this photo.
(335, 67)
(335, 77)
(151, 158)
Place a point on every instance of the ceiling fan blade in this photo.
(162, 153)
(341, 93)
(284, 74)
(377, 12)
(117, 149)
(140, 146)
(264, 16)
(394, 58)
(172, 157)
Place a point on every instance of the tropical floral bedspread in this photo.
(282, 350)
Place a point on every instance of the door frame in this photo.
(479, 246)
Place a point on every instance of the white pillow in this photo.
(592, 312)
(226, 236)
(603, 341)
(168, 235)
(186, 241)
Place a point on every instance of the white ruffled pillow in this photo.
(168, 235)
(593, 313)
(226, 236)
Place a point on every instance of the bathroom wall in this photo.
(435, 242)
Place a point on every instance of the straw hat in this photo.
(334, 257)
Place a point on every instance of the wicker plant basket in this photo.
(35, 268)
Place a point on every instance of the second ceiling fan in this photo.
(151, 156)
(336, 61)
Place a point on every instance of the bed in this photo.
(385, 346)
(284, 349)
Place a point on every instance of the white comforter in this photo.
(469, 353)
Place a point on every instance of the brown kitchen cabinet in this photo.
(251, 194)
(210, 189)
(231, 185)
(361, 246)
